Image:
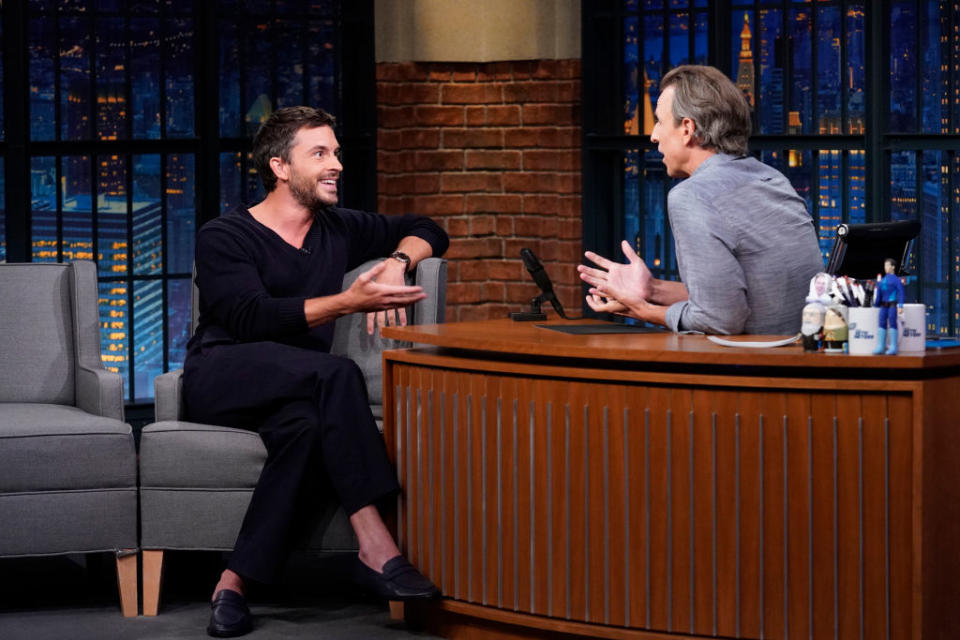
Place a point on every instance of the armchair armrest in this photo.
(431, 274)
(100, 392)
(168, 392)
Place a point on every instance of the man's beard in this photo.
(304, 191)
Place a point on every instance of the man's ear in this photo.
(280, 168)
(688, 129)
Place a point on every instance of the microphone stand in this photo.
(535, 312)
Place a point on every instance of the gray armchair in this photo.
(68, 468)
(196, 479)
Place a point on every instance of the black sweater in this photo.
(253, 284)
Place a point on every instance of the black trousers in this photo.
(312, 413)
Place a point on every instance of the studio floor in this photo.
(75, 598)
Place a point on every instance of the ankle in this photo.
(230, 581)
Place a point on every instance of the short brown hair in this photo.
(717, 107)
(275, 137)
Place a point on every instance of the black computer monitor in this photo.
(860, 249)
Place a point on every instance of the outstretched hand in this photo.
(383, 294)
(627, 284)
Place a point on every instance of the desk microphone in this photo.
(540, 276)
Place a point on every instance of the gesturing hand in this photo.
(629, 284)
(601, 304)
(381, 290)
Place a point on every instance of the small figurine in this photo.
(835, 329)
(812, 328)
(820, 289)
(890, 296)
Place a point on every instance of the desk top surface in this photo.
(525, 338)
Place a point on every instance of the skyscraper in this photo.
(745, 72)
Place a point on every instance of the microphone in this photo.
(540, 276)
(304, 250)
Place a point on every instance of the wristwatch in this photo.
(402, 257)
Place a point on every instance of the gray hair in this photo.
(717, 107)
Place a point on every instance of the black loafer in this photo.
(400, 580)
(230, 616)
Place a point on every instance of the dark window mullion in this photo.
(755, 52)
(918, 76)
(844, 155)
(164, 259)
(815, 161)
(57, 92)
(130, 280)
(162, 102)
(272, 31)
(304, 63)
(814, 85)
(58, 173)
(243, 29)
(844, 87)
(954, 209)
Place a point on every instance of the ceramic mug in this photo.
(913, 332)
(864, 323)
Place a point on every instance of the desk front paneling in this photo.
(710, 505)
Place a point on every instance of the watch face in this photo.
(401, 256)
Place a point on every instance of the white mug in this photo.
(863, 325)
(913, 329)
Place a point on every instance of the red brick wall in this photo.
(492, 153)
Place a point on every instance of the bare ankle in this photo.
(229, 580)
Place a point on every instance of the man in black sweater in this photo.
(269, 280)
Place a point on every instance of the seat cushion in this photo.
(51, 447)
(176, 453)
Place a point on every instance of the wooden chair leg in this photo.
(152, 579)
(396, 610)
(127, 581)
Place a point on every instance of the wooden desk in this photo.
(629, 486)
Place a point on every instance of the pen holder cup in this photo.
(864, 323)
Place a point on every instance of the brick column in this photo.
(492, 153)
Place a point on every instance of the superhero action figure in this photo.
(890, 297)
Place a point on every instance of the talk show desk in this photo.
(661, 486)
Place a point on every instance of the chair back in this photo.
(350, 337)
(37, 333)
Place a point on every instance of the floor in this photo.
(75, 598)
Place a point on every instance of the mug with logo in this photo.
(913, 329)
(864, 323)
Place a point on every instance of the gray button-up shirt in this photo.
(746, 249)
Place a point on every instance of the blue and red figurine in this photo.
(890, 297)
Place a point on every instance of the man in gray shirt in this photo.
(746, 247)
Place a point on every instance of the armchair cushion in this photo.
(47, 447)
(188, 454)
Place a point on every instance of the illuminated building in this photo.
(745, 66)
